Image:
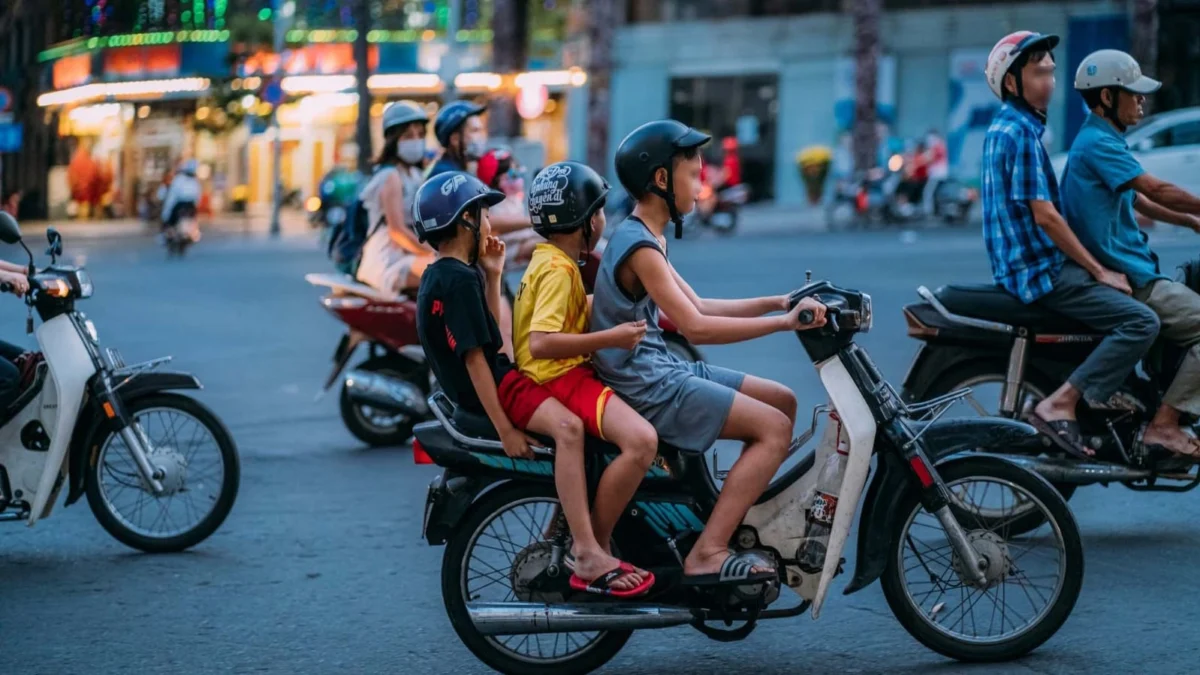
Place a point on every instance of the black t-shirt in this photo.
(452, 319)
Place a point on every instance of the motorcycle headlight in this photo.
(867, 316)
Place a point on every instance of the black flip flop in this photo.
(736, 570)
(1064, 433)
(1163, 451)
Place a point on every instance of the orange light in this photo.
(56, 288)
(108, 410)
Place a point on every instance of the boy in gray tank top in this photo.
(691, 405)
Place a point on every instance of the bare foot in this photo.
(1053, 410)
(1172, 438)
(699, 562)
(591, 565)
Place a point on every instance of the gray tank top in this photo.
(639, 375)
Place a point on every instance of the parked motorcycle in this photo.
(383, 397)
(953, 201)
(505, 582)
(1011, 355)
(723, 219)
(159, 469)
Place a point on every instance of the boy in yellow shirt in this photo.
(553, 348)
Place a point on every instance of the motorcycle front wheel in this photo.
(1031, 580)
(199, 471)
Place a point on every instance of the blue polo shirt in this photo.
(1099, 202)
(444, 164)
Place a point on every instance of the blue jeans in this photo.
(1130, 326)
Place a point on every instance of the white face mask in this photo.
(476, 148)
(411, 150)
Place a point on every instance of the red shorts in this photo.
(520, 397)
(581, 392)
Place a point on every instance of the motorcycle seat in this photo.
(993, 303)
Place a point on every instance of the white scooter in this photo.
(160, 470)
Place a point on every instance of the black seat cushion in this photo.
(479, 426)
(992, 303)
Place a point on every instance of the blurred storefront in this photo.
(782, 78)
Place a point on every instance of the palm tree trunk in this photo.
(866, 73)
(362, 69)
(603, 19)
(1144, 38)
(510, 53)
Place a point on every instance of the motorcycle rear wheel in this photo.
(116, 522)
(908, 604)
(495, 652)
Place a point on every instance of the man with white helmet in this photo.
(1103, 187)
(1034, 254)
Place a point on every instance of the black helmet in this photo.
(442, 200)
(451, 117)
(564, 196)
(649, 148)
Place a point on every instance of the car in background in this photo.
(1168, 146)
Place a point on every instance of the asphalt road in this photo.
(321, 569)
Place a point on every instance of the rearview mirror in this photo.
(10, 231)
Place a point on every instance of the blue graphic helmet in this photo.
(443, 199)
(451, 118)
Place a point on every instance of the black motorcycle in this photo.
(1011, 355)
(922, 532)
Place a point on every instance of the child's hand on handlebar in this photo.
(794, 320)
(18, 283)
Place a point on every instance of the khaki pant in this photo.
(1178, 309)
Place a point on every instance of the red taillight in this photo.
(860, 201)
(419, 454)
(921, 470)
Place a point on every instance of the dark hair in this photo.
(1091, 97)
(439, 237)
(9, 193)
(390, 153)
(1019, 64)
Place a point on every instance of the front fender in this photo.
(92, 426)
(881, 509)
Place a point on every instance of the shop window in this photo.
(737, 111)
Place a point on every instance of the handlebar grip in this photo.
(807, 316)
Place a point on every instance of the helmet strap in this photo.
(668, 196)
(1020, 97)
(586, 251)
(474, 228)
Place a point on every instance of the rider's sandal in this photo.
(1063, 433)
(737, 569)
(1160, 450)
(602, 585)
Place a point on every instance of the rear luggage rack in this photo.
(981, 324)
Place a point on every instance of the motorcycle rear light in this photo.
(922, 471)
(860, 201)
(419, 454)
(336, 302)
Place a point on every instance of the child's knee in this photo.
(642, 445)
(568, 431)
(776, 432)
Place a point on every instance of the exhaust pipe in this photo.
(386, 393)
(523, 618)
(1079, 472)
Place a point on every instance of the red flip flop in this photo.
(602, 585)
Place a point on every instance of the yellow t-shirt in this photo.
(552, 299)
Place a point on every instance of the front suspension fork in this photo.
(131, 432)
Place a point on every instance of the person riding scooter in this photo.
(1104, 188)
(1034, 254)
(182, 197)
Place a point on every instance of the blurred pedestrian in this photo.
(499, 170)
(11, 203)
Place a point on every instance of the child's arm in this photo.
(652, 270)
(515, 444)
(746, 307)
(570, 345)
(554, 294)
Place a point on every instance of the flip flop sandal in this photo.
(1063, 433)
(602, 585)
(569, 563)
(1162, 450)
(736, 570)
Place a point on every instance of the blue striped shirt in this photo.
(1016, 171)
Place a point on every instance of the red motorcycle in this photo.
(384, 396)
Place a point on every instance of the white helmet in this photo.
(1113, 68)
(403, 112)
(1008, 50)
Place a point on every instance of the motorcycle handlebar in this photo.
(6, 287)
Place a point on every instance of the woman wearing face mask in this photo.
(392, 257)
(498, 170)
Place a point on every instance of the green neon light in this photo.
(85, 45)
(264, 14)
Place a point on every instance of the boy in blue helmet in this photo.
(457, 308)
